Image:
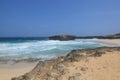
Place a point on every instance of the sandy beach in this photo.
(109, 42)
(106, 67)
(98, 67)
(59, 40)
(7, 71)
(89, 64)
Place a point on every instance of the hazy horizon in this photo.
(53, 35)
(43, 18)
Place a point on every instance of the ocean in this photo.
(15, 49)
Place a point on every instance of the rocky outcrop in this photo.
(71, 37)
(62, 37)
(114, 36)
(59, 69)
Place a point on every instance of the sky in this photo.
(35, 18)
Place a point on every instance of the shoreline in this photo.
(87, 64)
(109, 42)
(8, 71)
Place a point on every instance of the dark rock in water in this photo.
(62, 37)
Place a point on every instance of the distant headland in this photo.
(62, 37)
(72, 37)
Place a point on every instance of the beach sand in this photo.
(109, 42)
(78, 65)
(106, 67)
(7, 71)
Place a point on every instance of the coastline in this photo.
(8, 71)
(87, 64)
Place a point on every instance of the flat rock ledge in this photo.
(58, 69)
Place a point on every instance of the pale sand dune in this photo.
(9, 71)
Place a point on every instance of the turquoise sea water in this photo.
(40, 48)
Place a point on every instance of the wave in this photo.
(44, 49)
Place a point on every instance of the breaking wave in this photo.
(42, 49)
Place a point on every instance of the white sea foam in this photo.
(43, 49)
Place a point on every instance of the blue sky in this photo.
(20, 18)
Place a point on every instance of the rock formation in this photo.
(70, 37)
(114, 36)
(62, 37)
(61, 68)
